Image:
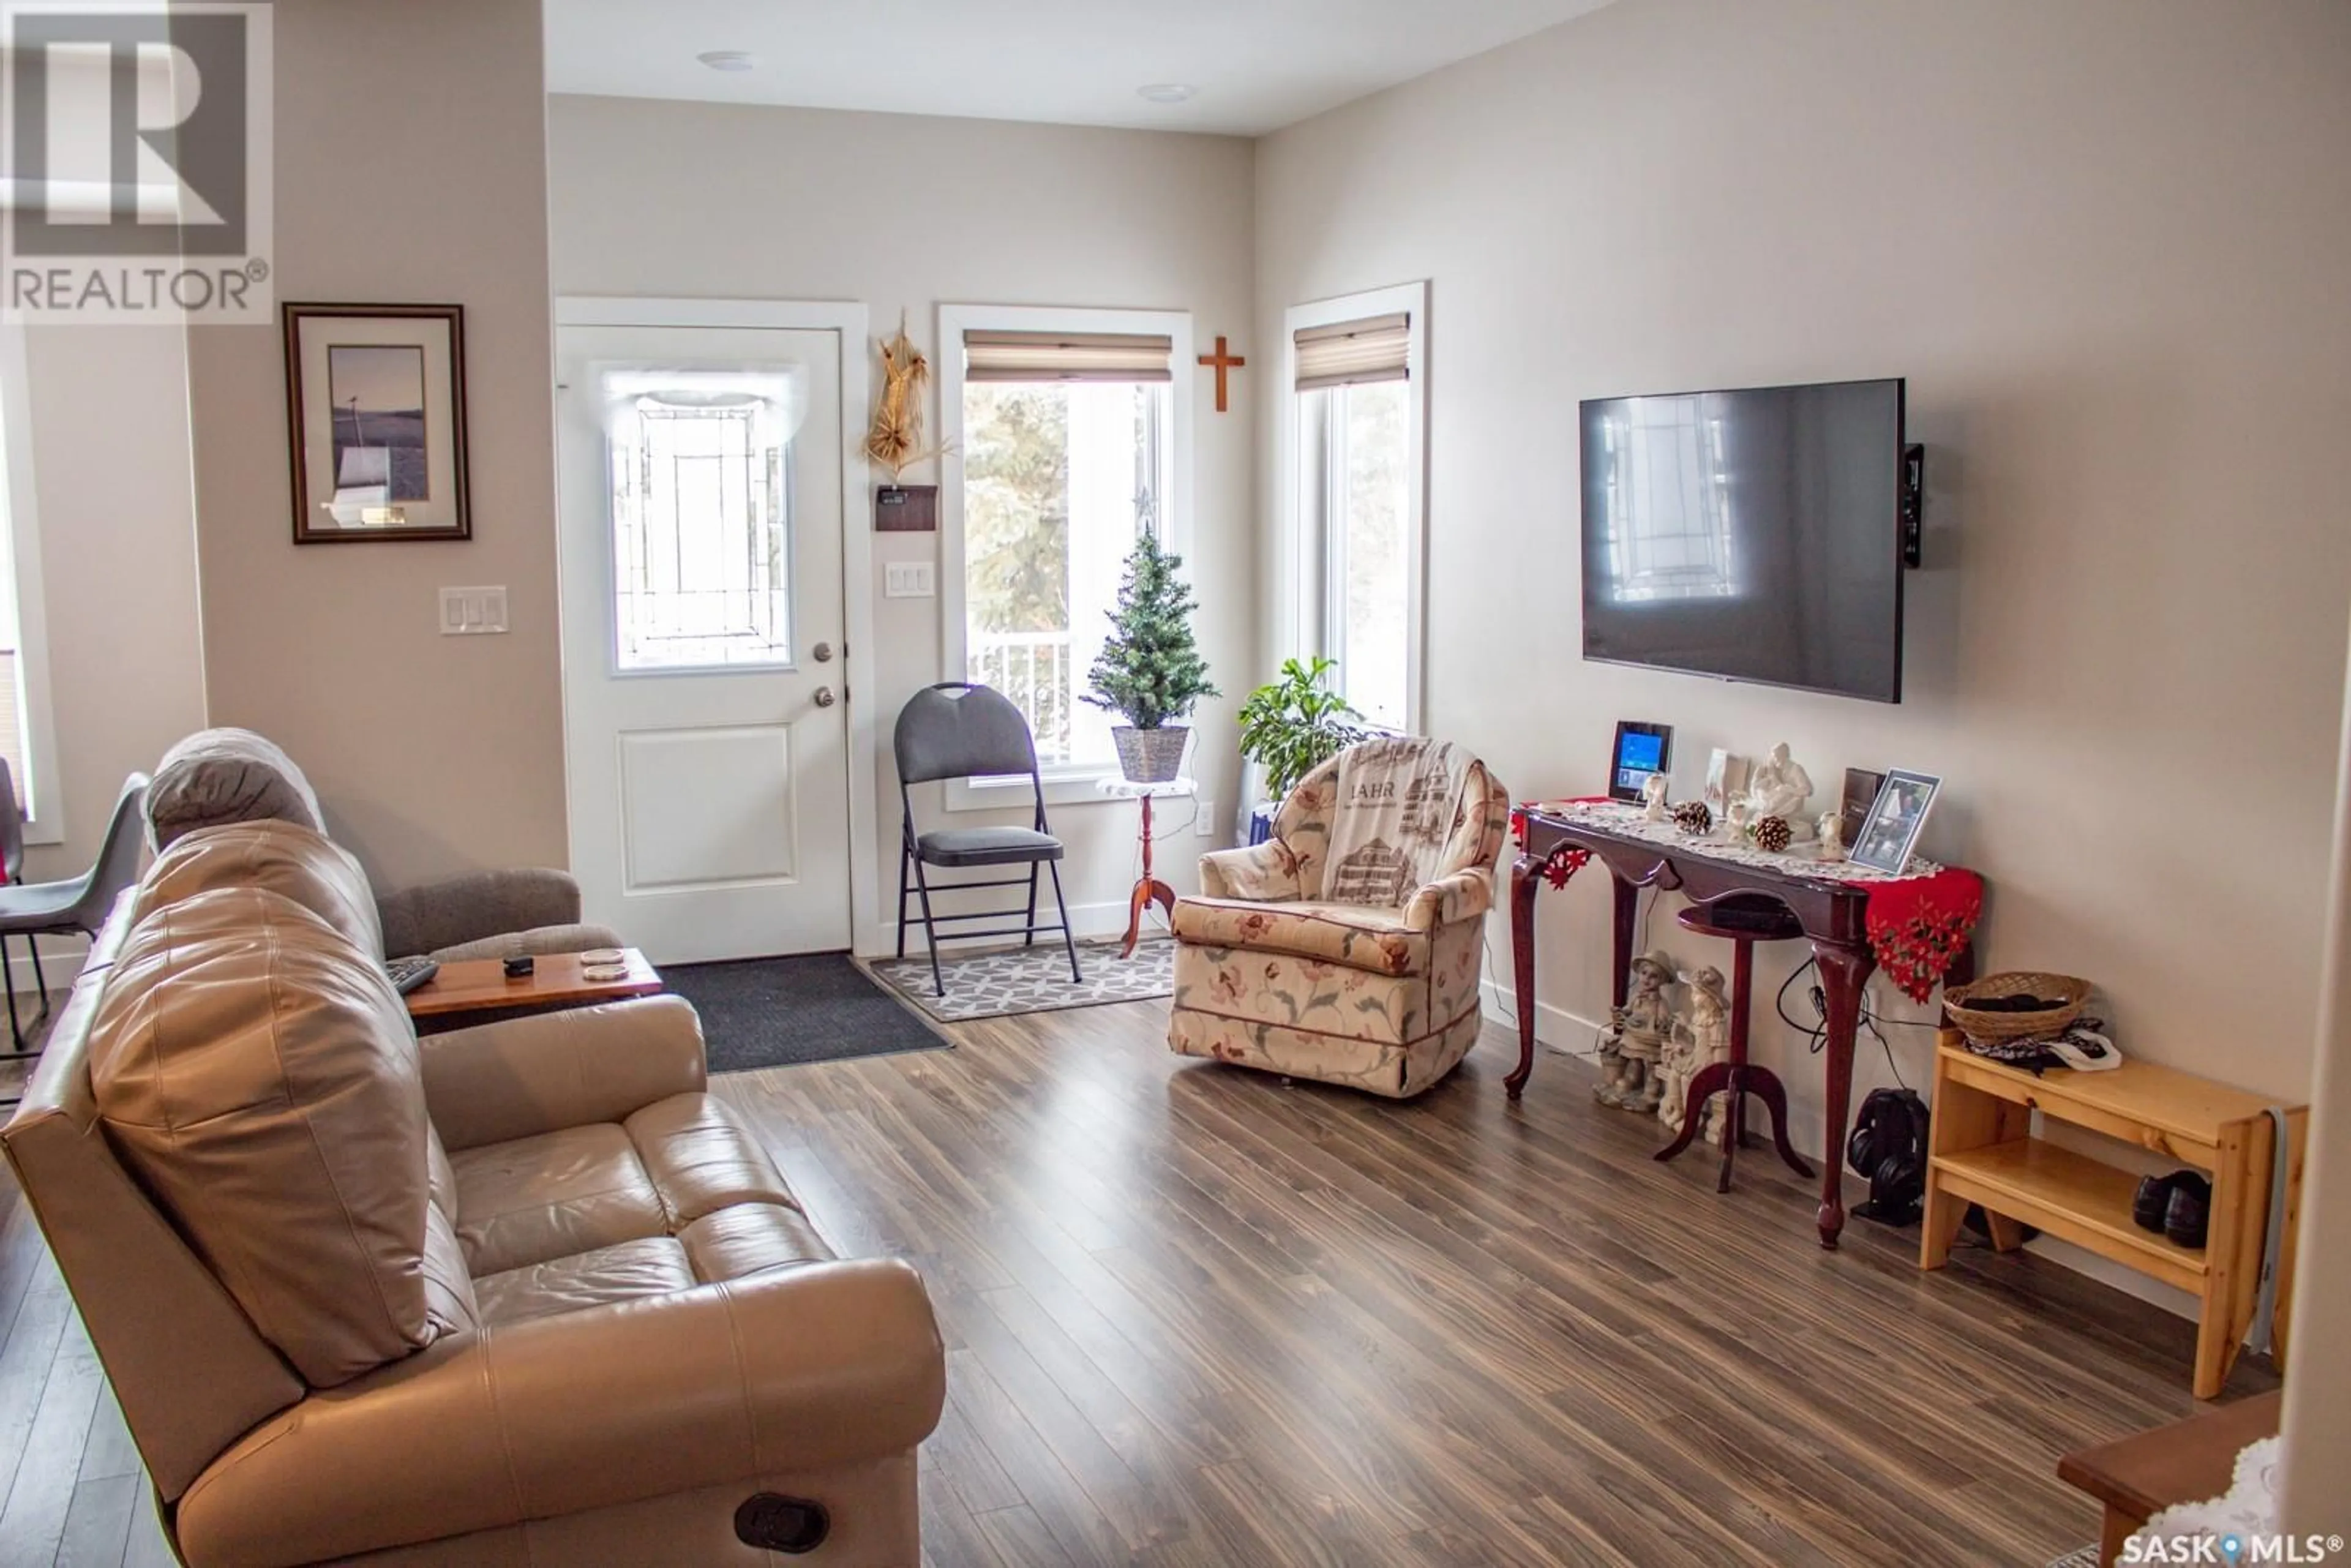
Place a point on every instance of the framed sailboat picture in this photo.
(375, 395)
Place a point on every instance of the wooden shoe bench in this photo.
(1982, 1151)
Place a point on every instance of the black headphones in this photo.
(1889, 1147)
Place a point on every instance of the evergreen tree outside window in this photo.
(1061, 475)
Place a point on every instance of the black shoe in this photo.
(2153, 1200)
(2188, 1215)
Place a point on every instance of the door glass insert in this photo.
(701, 509)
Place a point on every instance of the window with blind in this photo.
(1356, 418)
(1066, 452)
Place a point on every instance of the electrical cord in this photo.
(1816, 1035)
(1160, 835)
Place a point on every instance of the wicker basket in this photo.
(1150, 756)
(1998, 1026)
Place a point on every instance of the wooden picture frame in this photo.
(1726, 780)
(1860, 793)
(375, 416)
(1895, 821)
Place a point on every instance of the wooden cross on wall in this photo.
(1223, 362)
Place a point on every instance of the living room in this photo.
(1192, 1311)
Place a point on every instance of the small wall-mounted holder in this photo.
(905, 508)
(1914, 504)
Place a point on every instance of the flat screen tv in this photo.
(1751, 535)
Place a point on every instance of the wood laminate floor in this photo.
(1195, 1316)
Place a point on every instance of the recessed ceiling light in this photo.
(729, 60)
(1166, 91)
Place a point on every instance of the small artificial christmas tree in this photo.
(1150, 670)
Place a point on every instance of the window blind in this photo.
(996, 356)
(1374, 349)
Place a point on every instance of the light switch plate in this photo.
(1204, 821)
(473, 612)
(909, 579)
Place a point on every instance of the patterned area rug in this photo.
(1031, 979)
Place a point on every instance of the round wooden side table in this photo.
(1148, 889)
(1742, 919)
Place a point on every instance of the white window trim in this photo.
(1305, 591)
(1068, 785)
(38, 719)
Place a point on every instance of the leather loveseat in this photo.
(216, 777)
(517, 1295)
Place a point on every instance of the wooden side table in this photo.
(1833, 912)
(482, 985)
(2137, 1477)
(1767, 921)
(1148, 889)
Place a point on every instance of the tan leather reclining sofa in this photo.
(519, 1295)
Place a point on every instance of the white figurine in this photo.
(1781, 787)
(1641, 1027)
(1735, 820)
(1652, 790)
(1700, 1038)
(1831, 830)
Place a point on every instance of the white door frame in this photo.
(850, 318)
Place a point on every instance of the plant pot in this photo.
(1150, 756)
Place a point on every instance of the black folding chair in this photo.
(958, 730)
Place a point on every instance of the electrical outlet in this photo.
(473, 612)
(909, 579)
(1205, 821)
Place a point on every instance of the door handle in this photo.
(824, 697)
(821, 653)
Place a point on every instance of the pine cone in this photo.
(1693, 817)
(1774, 834)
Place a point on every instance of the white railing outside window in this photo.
(1033, 669)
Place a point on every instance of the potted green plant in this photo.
(1292, 725)
(1150, 671)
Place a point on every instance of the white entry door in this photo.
(704, 681)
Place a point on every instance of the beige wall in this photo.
(109, 407)
(411, 166)
(905, 213)
(2103, 242)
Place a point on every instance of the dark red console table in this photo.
(1833, 912)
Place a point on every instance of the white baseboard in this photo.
(1562, 1031)
(1088, 921)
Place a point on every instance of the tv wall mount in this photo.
(1914, 502)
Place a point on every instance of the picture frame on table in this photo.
(1860, 793)
(1891, 829)
(1641, 750)
(1726, 780)
(375, 409)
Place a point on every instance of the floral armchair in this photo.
(1351, 957)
